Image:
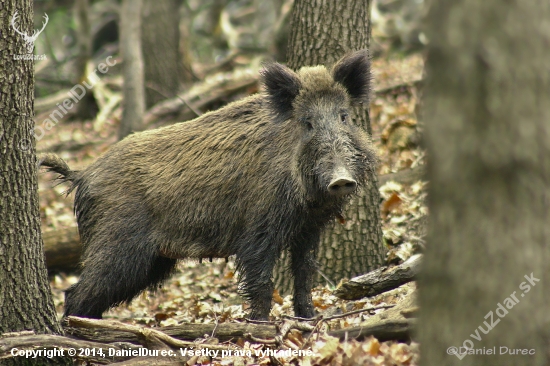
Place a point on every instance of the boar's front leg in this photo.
(304, 268)
(255, 264)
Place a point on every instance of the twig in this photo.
(325, 277)
(189, 105)
(300, 318)
(249, 336)
(268, 322)
(356, 312)
(216, 326)
(322, 319)
(314, 331)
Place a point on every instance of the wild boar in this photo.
(257, 176)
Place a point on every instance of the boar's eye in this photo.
(343, 117)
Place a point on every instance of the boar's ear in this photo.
(282, 86)
(353, 72)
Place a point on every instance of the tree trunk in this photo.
(488, 138)
(86, 108)
(133, 89)
(160, 44)
(25, 297)
(321, 33)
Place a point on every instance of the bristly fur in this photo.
(349, 72)
(248, 180)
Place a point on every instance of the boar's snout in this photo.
(342, 183)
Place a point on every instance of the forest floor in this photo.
(207, 292)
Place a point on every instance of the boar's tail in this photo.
(58, 165)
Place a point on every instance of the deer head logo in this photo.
(29, 39)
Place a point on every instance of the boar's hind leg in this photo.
(304, 266)
(115, 274)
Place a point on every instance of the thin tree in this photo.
(86, 107)
(133, 88)
(485, 283)
(163, 61)
(25, 297)
(321, 33)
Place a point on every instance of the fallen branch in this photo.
(397, 87)
(50, 102)
(107, 331)
(388, 330)
(62, 248)
(384, 326)
(224, 331)
(187, 105)
(148, 337)
(380, 280)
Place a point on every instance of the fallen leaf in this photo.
(277, 297)
(390, 204)
(330, 347)
(372, 346)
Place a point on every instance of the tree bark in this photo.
(321, 33)
(488, 138)
(25, 298)
(161, 57)
(133, 88)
